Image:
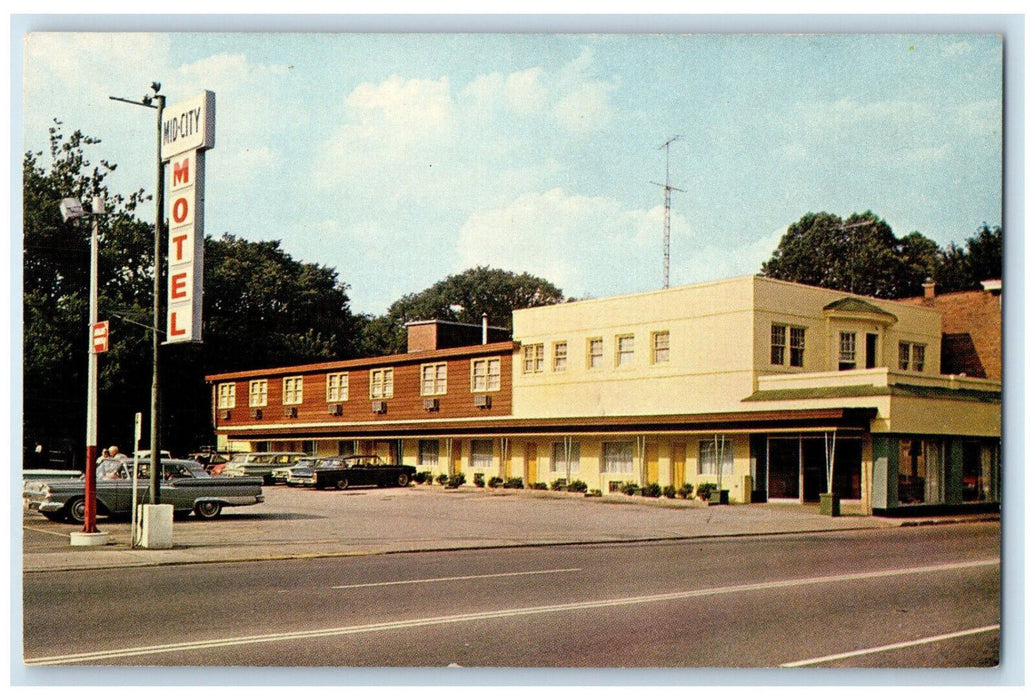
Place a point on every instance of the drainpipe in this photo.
(485, 329)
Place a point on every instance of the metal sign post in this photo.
(134, 536)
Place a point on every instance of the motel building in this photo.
(775, 391)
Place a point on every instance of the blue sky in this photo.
(399, 159)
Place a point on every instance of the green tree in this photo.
(985, 254)
(462, 298)
(860, 255)
(261, 308)
(264, 309)
(55, 307)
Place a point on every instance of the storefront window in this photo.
(921, 471)
(977, 471)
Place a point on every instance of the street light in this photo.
(157, 101)
(72, 208)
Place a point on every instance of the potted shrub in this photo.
(441, 479)
(652, 490)
(686, 491)
(669, 491)
(479, 479)
(495, 482)
(578, 486)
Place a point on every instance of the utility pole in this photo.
(668, 209)
(154, 490)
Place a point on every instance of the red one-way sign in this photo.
(99, 337)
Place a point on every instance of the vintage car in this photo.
(280, 474)
(260, 464)
(355, 470)
(185, 485)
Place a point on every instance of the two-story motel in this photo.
(772, 390)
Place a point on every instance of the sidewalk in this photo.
(301, 523)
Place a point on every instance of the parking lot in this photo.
(296, 522)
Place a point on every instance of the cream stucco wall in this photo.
(801, 305)
(710, 354)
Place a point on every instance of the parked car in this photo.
(185, 485)
(280, 474)
(211, 460)
(355, 470)
(260, 464)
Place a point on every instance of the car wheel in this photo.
(206, 510)
(403, 479)
(76, 510)
(341, 484)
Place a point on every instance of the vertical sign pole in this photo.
(154, 492)
(90, 487)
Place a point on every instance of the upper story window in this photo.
(784, 338)
(433, 379)
(595, 353)
(292, 390)
(560, 356)
(227, 395)
(911, 356)
(337, 386)
(659, 347)
(258, 389)
(797, 347)
(381, 383)
(846, 351)
(532, 358)
(624, 350)
(485, 374)
(777, 344)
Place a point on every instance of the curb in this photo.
(26, 569)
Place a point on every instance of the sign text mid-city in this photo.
(188, 130)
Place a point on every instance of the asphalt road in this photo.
(884, 598)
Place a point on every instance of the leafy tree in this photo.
(265, 309)
(261, 308)
(985, 254)
(859, 254)
(462, 298)
(56, 289)
(862, 255)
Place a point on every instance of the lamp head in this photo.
(71, 208)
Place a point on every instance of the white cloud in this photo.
(579, 243)
(523, 91)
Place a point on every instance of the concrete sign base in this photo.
(88, 539)
(156, 525)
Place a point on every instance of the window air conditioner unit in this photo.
(291, 411)
(483, 401)
(379, 407)
(257, 414)
(224, 415)
(335, 409)
(430, 404)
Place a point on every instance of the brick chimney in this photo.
(928, 288)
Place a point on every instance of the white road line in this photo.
(95, 656)
(889, 647)
(455, 578)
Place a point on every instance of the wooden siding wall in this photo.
(405, 404)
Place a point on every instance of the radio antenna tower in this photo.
(668, 207)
